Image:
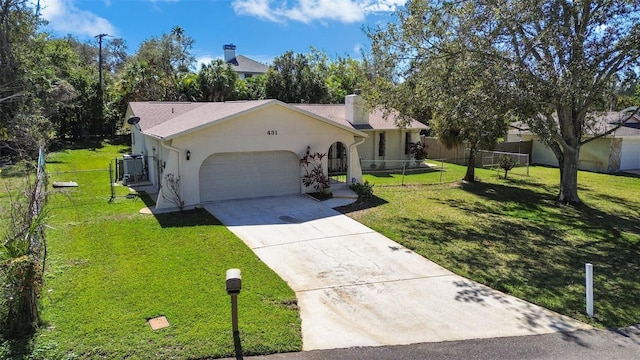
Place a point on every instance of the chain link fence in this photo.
(436, 171)
(411, 172)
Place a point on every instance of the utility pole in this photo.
(100, 89)
(99, 37)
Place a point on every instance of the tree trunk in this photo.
(470, 176)
(569, 176)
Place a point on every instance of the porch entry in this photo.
(337, 163)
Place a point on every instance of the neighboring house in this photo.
(617, 152)
(386, 145)
(242, 65)
(244, 149)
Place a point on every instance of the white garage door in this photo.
(247, 175)
(630, 158)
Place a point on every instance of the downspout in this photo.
(140, 135)
(349, 159)
(171, 148)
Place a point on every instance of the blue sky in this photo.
(261, 29)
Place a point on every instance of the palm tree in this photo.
(217, 81)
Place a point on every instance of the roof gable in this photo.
(243, 64)
(191, 119)
(202, 116)
(630, 128)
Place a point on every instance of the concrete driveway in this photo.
(356, 287)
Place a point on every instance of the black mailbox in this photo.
(234, 281)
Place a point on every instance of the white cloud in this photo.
(307, 11)
(65, 17)
(205, 59)
(384, 5)
(258, 8)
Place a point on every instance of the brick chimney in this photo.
(229, 52)
(356, 110)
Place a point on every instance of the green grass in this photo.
(511, 235)
(110, 269)
(424, 176)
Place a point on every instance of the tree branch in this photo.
(612, 130)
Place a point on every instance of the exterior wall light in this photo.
(188, 155)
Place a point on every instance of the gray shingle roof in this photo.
(168, 120)
(377, 121)
(153, 113)
(199, 116)
(600, 123)
(242, 64)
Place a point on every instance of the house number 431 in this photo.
(272, 132)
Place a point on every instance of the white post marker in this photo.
(589, 275)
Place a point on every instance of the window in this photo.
(381, 144)
(407, 143)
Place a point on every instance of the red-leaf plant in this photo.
(314, 175)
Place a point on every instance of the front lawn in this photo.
(512, 236)
(110, 269)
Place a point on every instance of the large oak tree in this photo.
(557, 60)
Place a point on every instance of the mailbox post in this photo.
(233, 286)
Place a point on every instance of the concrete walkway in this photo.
(356, 287)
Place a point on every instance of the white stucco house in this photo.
(616, 152)
(245, 149)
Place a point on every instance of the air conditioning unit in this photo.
(133, 166)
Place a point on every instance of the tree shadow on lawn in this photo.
(527, 204)
(537, 251)
(186, 218)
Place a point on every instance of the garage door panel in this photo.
(630, 158)
(246, 175)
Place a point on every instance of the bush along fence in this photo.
(23, 254)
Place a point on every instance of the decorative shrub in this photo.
(314, 176)
(364, 191)
(507, 163)
(418, 150)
